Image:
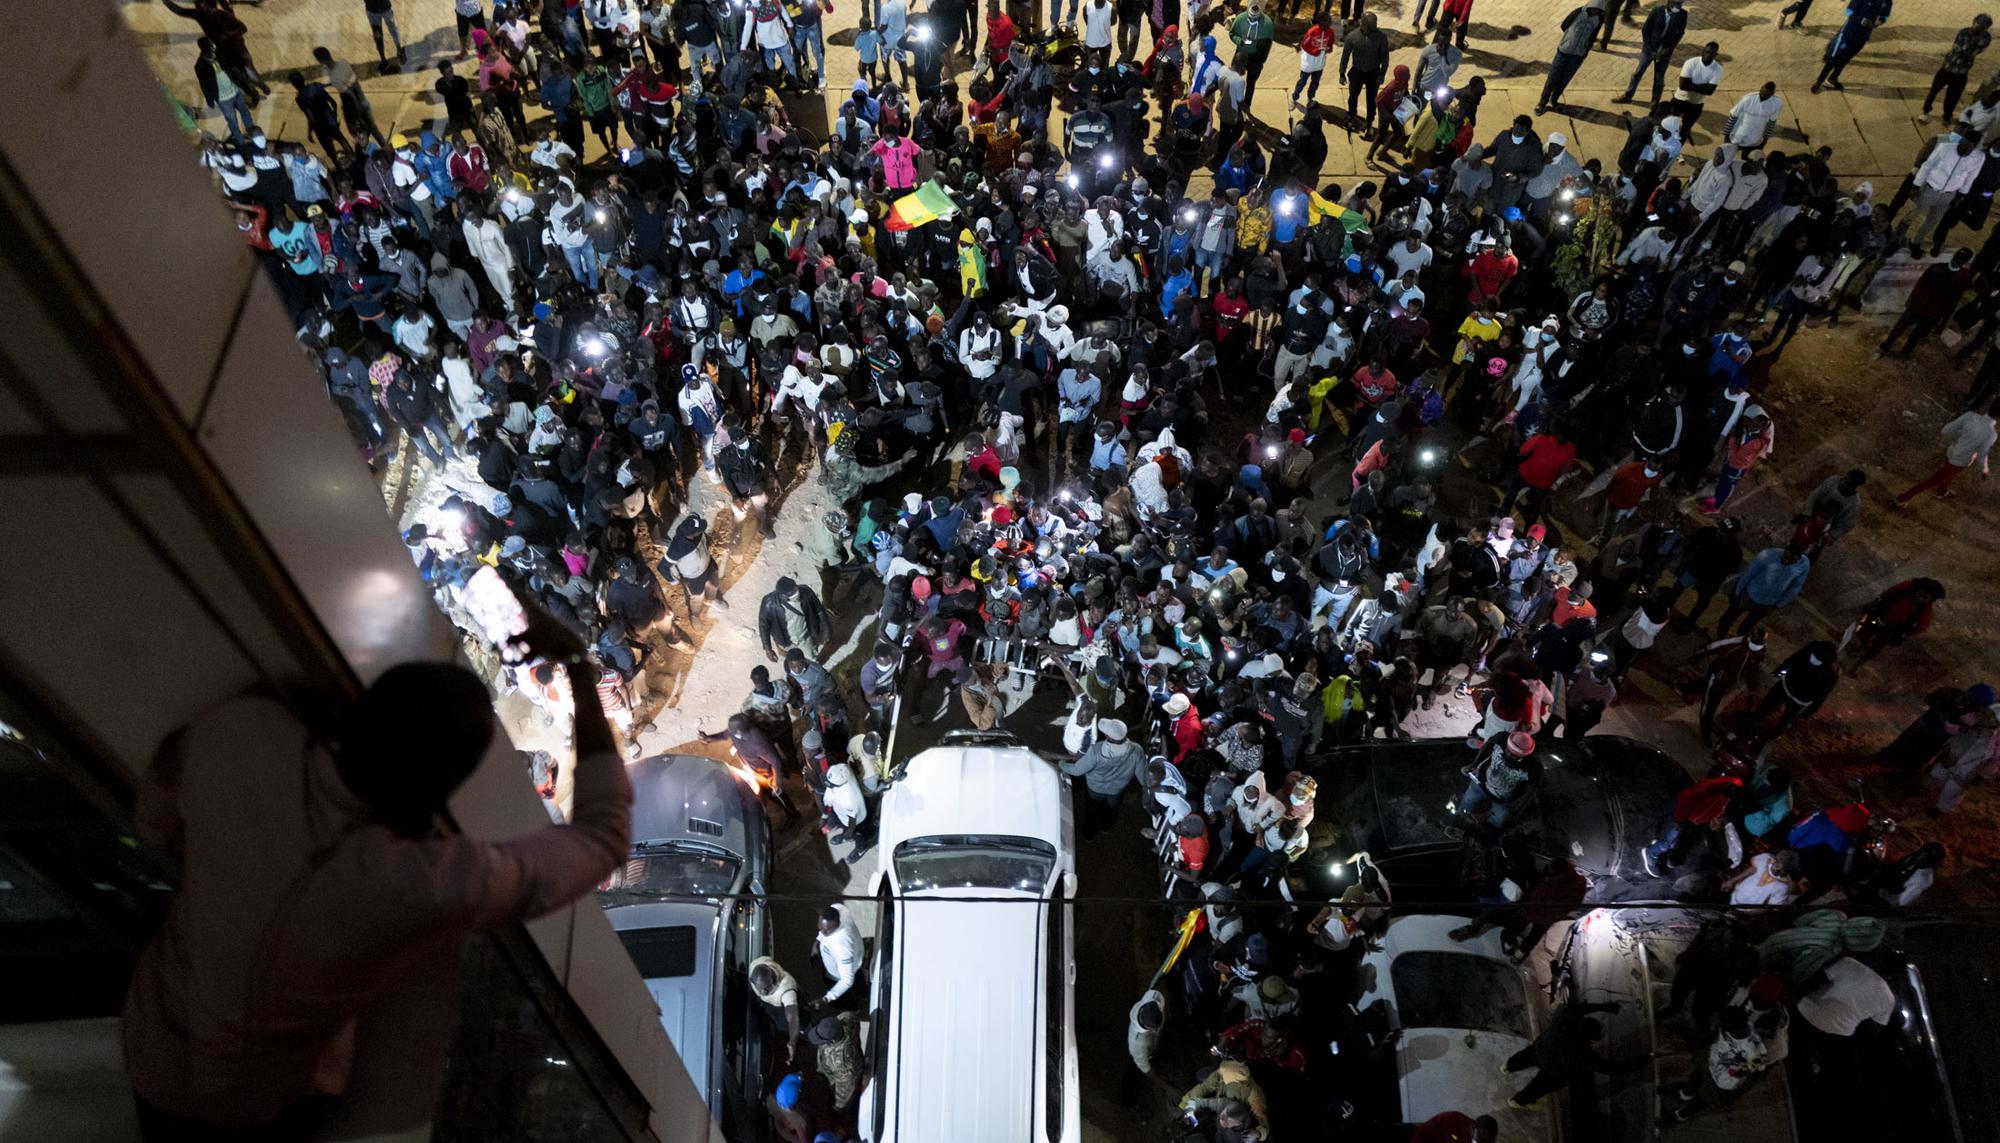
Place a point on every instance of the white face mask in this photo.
(1519, 138)
(1277, 576)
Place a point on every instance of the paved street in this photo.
(1872, 126)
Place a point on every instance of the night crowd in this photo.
(1129, 401)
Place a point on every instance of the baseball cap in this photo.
(1537, 532)
(1521, 743)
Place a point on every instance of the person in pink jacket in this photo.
(321, 915)
(898, 155)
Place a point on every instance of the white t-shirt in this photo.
(1764, 886)
(1853, 992)
(1097, 25)
(1405, 259)
(1695, 71)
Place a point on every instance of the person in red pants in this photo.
(1968, 438)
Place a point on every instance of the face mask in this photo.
(1277, 576)
(1519, 138)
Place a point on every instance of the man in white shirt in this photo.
(1412, 253)
(979, 347)
(838, 947)
(567, 216)
(1751, 120)
(1950, 164)
(1852, 995)
(1097, 31)
(1768, 879)
(1699, 78)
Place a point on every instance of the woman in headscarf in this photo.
(1163, 68)
(1205, 68)
(1189, 124)
(971, 264)
(1389, 109)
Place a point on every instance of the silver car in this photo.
(689, 907)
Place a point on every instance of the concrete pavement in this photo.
(1873, 126)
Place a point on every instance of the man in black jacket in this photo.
(746, 473)
(791, 616)
(1662, 32)
(1364, 61)
(1712, 555)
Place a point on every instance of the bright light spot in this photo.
(1072, 179)
(1562, 220)
(1428, 456)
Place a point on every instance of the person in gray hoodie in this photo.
(455, 296)
(1107, 767)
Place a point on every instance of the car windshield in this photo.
(672, 871)
(975, 861)
(1459, 990)
(661, 954)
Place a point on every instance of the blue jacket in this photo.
(1770, 583)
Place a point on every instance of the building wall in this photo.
(209, 526)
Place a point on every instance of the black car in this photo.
(1600, 800)
(1929, 1074)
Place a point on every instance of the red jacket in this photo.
(1543, 459)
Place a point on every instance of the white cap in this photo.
(1558, 139)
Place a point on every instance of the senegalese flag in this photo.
(1188, 925)
(927, 203)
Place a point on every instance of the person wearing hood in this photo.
(1105, 769)
(1579, 29)
(1800, 685)
(348, 382)
(1664, 148)
(452, 290)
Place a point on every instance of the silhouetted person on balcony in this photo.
(320, 908)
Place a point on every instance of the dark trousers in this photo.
(1714, 690)
(1657, 60)
(1532, 505)
(1830, 72)
(1752, 613)
(1952, 83)
(1561, 70)
(1915, 327)
(1357, 86)
(1797, 9)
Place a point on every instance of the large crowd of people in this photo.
(1114, 392)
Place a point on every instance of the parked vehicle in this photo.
(972, 1021)
(1600, 801)
(689, 907)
